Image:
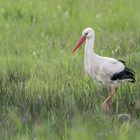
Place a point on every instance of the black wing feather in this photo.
(122, 62)
(125, 65)
(125, 74)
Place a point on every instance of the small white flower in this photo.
(34, 53)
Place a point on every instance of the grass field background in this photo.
(44, 92)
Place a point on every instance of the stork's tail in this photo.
(132, 75)
(126, 74)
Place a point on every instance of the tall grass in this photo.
(44, 93)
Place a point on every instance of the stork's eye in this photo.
(86, 33)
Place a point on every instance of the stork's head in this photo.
(87, 33)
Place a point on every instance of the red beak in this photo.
(82, 39)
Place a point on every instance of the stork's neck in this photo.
(89, 46)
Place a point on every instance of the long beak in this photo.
(80, 42)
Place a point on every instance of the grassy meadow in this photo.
(44, 92)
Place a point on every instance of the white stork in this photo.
(108, 71)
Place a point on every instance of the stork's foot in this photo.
(106, 106)
(109, 102)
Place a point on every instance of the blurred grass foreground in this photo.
(44, 93)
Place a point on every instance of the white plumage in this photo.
(108, 71)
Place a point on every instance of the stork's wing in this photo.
(125, 74)
(118, 70)
(122, 61)
(112, 66)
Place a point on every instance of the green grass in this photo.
(44, 93)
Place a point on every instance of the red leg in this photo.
(107, 104)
